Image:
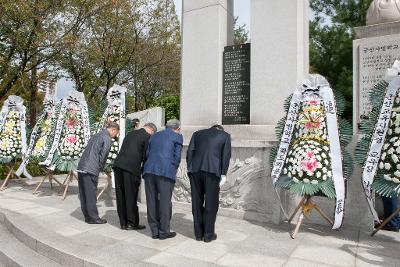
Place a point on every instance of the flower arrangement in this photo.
(306, 161)
(113, 115)
(114, 112)
(72, 140)
(10, 138)
(45, 135)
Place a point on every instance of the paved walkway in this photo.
(53, 228)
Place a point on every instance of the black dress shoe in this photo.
(199, 238)
(155, 236)
(167, 235)
(97, 221)
(123, 227)
(213, 237)
(137, 227)
(390, 228)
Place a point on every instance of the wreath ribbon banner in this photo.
(335, 153)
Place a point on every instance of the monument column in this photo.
(207, 27)
(279, 55)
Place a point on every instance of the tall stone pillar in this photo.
(206, 30)
(279, 55)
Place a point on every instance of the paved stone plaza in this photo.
(43, 230)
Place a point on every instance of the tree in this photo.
(331, 36)
(30, 32)
(240, 34)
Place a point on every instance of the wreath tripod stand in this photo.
(10, 175)
(70, 177)
(49, 175)
(109, 182)
(306, 205)
(386, 221)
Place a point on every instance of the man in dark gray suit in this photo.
(207, 159)
(91, 163)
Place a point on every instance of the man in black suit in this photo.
(127, 170)
(207, 159)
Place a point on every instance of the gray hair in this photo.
(112, 124)
(151, 126)
(173, 124)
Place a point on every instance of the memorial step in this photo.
(15, 253)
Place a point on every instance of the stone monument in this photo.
(376, 48)
(279, 61)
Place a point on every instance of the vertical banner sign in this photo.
(236, 85)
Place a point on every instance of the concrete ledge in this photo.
(378, 30)
(242, 135)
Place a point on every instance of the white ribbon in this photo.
(286, 138)
(378, 137)
(335, 153)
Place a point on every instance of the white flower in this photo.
(390, 132)
(385, 146)
(381, 166)
(390, 151)
(387, 177)
(398, 150)
(306, 181)
(314, 181)
(114, 156)
(323, 155)
(289, 174)
(318, 174)
(300, 174)
(318, 157)
(284, 171)
(397, 130)
(325, 148)
(295, 180)
(387, 166)
(395, 158)
(383, 156)
(397, 181)
(329, 173)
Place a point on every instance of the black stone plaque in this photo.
(236, 85)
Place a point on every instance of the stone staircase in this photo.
(25, 243)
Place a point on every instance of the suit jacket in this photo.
(94, 156)
(133, 152)
(209, 151)
(164, 154)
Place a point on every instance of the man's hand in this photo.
(222, 181)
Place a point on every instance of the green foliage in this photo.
(383, 187)
(331, 35)
(171, 105)
(240, 34)
(327, 188)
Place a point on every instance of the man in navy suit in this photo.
(207, 159)
(163, 159)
